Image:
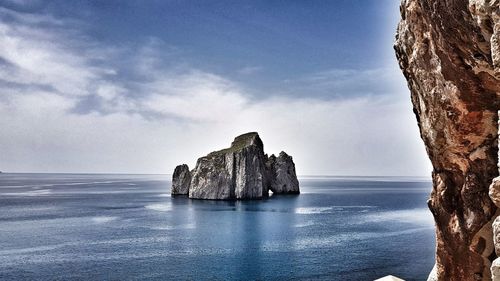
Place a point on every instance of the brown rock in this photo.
(449, 53)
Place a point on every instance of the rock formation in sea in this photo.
(181, 180)
(241, 171)
(282, 174)
(449, 52)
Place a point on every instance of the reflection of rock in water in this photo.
(241, 171)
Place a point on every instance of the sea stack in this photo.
(181, 180)
(242, 171)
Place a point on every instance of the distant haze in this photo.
(139, 87)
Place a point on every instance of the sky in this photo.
(142, 86)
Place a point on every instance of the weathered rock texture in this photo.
(181, 180)
(495, 269)
(450, 54)
(495, 197)
(241, 171)
(283, 177)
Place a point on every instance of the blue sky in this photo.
(139, 86)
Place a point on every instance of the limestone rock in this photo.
(213, 177)
(433, 275)
(449, 53)
(181, 180)
(495, 191)
(495, 267)
(283, 176)
(495, 270)
(496, 235)
(242, 171)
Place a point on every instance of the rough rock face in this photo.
(496, 235)
(181, 180)
(449, 52)
(495, 191)
(495, 197)
(233, 173)
(495, 270)
(283, 177)
(241, 171)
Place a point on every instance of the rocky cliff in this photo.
(449, 51)
(495, 197)
(241, 171)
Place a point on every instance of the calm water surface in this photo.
(127, 227)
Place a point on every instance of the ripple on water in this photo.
(416, 216)
(159, 207)
(103, 219)
(305, 224)
(330, 209)
(172, 227)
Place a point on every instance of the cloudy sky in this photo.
(141, 86)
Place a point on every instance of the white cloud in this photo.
(197, 96)
(39, 57)
(196, 112)
(349, 83)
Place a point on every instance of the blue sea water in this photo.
(128, 227)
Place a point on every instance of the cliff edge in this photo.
(449, 52)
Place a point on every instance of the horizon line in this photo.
(160, 174)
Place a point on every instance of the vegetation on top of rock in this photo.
(239, 143)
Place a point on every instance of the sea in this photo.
(128, 227)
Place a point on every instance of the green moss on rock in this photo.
(239, 143)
